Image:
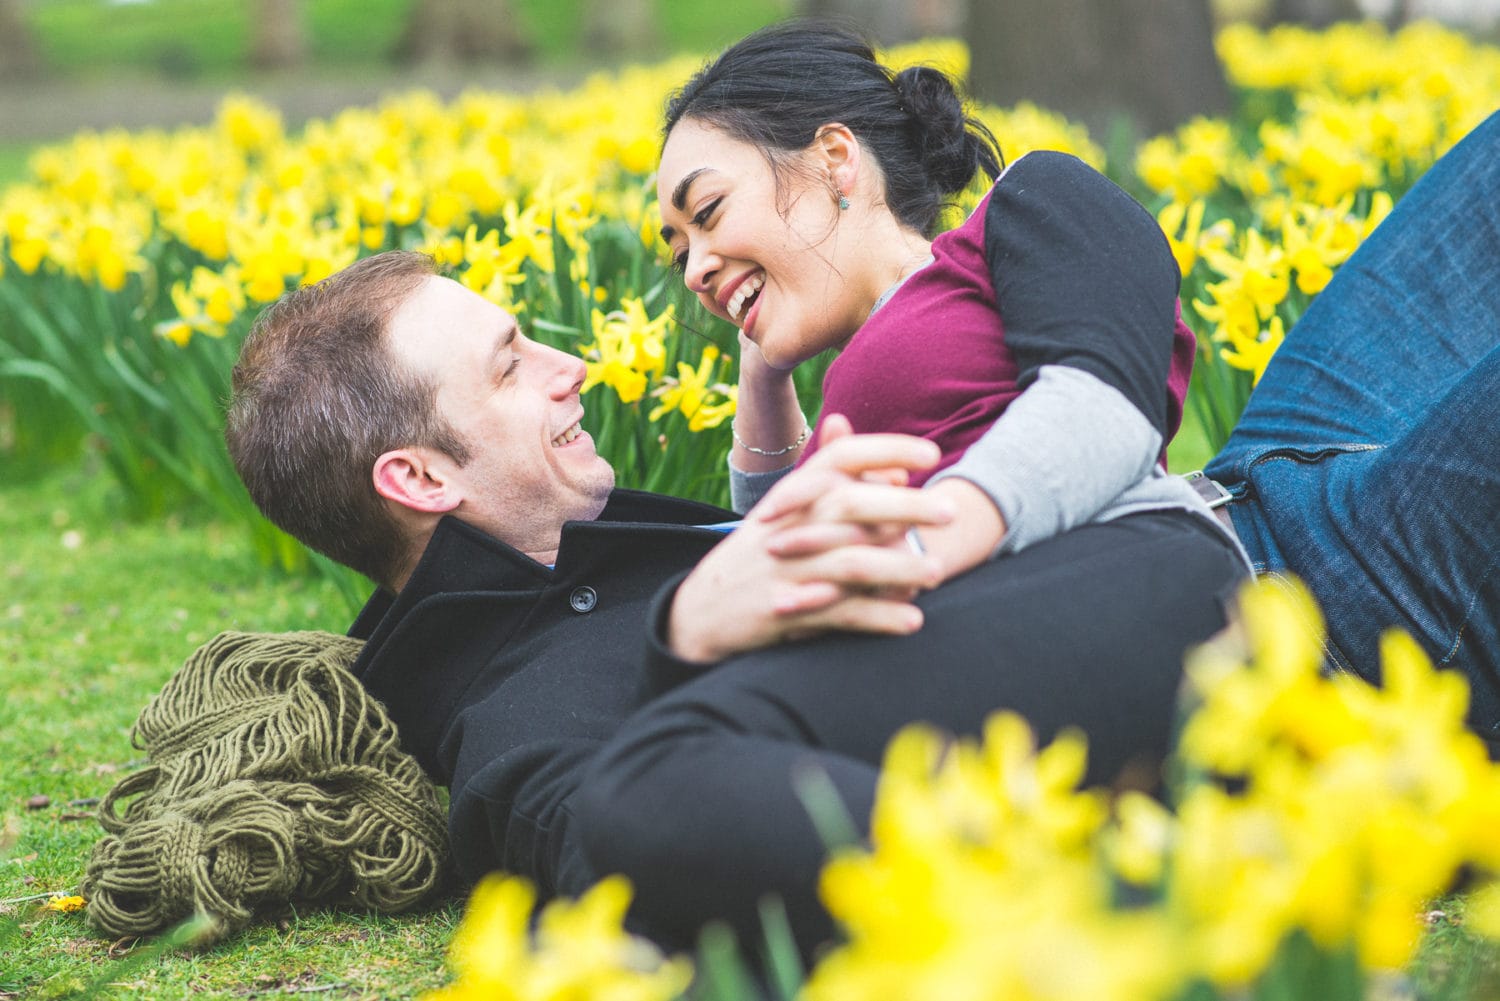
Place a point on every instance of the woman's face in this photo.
(767, 258)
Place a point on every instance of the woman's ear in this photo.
(416, 478)
(838, 152)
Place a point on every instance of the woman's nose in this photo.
(701, 269)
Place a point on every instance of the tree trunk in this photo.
(18, 55)
(1316, 13)
(278, 39)
(890, 22)
(1150, 61)
(621, 28)
(439, 31)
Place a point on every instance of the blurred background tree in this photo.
(71, 64)
(18, 55)
(892, 22)
(611, 26)
(468, 31)
(280, 41)
(1151, 61)
(1318, 13)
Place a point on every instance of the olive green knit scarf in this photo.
(272, 776)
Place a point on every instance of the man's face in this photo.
(516, 404)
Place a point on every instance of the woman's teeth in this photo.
(746, 291)
(567, 436)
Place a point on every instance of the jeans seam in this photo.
(1335, 656)
(1463, 624)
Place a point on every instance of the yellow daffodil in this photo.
(64, 903)
(580, 948)
(1183, 225)
(628, 349)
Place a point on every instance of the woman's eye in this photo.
(679, 263)
(703, 214)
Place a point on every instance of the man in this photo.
(608, 685)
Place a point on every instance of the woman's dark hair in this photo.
(775, 88)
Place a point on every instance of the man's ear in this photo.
(417, 478)
(839, 151)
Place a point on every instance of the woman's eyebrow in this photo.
(680, 193)
(679, 198)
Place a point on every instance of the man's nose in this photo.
(571, 371)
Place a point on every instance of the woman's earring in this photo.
(843, 203)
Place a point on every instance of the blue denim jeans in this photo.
(1368, 460)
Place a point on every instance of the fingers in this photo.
(862, 569)
(866, 471)
(813, 537)
(859, 613)
(835, 426)
(873, 503)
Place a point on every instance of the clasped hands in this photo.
(827, 549)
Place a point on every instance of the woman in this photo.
(1362, 464)
(799, 185)
(1112, 568)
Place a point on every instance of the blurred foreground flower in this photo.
(578, 950)
(1319, 817)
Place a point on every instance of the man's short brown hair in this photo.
(319, 396)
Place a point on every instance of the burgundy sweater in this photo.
(1056, 266)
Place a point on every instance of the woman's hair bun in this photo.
(950, 150)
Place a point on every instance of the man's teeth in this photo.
(747, 289)
(567, 436)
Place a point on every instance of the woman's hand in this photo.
(767, 417)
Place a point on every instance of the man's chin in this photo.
(605, 486)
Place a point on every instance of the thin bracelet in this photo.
(801, 440)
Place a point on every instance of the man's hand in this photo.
(823, 550)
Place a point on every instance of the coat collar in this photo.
(460, 557)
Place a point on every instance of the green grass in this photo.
(13, 157)
(207, 37)
(191, 38)
(95, 615)
(1191, 448)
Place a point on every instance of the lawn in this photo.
(95, 615)
(191, 38)
(13, 156)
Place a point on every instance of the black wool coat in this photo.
(505, 676)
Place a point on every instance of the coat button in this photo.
(583, 599)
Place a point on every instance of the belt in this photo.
(1222, 513)
(1216, 495)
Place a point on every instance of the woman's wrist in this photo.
(769, 428)
(794, 445)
